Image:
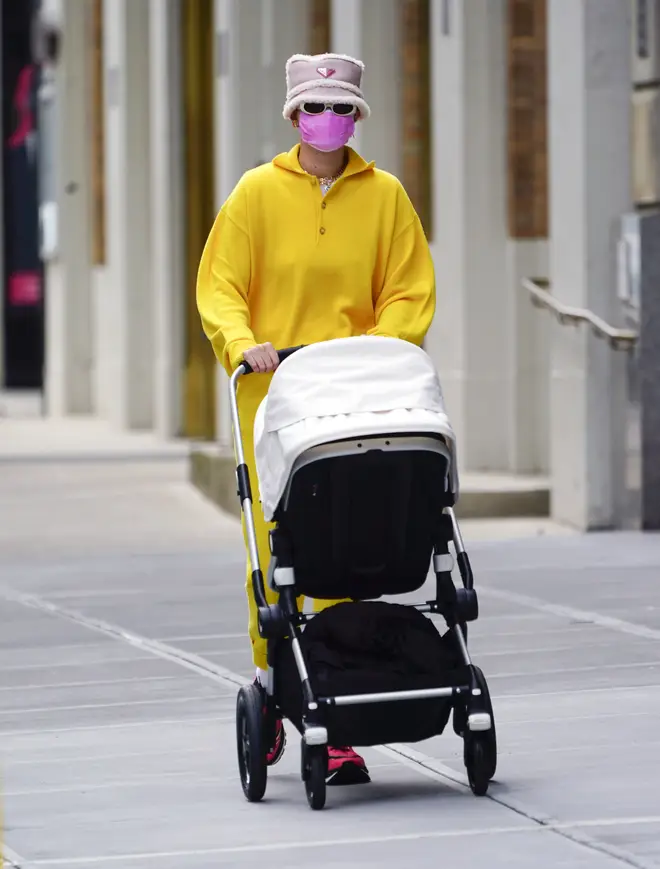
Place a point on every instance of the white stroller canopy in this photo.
(350, 387)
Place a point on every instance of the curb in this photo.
(503, 497)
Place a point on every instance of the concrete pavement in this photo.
(122, 640)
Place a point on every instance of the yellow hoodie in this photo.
(285, 264)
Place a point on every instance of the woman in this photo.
(316, 245)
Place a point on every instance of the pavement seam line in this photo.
(116, 726)
(565, 830)
(100, 758)
(8, 713)
(162, 650)
(572, 613)
(227, 677)
(11, 858)
(46, 686)
(23, 668)
(145, 781)
(358, 840)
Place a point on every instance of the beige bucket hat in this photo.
(328, 78)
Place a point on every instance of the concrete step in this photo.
(482, 496)
(486, 496)
(21, 404)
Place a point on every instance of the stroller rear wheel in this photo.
(479, 749)
(250, 742)
(314, 768)
(477, 763)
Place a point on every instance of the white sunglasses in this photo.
(342, 109)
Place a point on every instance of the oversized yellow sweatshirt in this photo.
(285, 264)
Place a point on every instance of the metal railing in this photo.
(618, 339)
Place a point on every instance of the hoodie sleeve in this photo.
(222, 284)
(405, 305)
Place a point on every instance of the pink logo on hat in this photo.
(325, 72)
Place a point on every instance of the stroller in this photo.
(356, 462)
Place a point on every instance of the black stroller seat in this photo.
(364, 525)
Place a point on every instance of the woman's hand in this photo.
(262, 358)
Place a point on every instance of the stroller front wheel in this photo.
(250, 743)
(477, 763)
(314, 773)
(480, 748)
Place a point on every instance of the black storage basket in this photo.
(365, 648)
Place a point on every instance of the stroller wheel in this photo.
(477, 763)
(480, 749)
(314, 772)
(490, 736)
(250, 725)
(460, 719)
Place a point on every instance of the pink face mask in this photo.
(326, 132)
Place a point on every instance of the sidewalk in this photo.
(122, 640)
(26, 438)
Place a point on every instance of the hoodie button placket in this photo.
(324, 205)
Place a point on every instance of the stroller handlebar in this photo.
(281, 355)
(243, 474)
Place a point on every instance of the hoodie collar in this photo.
(289, 161)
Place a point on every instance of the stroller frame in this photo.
(257, 711)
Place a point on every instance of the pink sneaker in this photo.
(277, 749)
(274, 754)
(346, 767)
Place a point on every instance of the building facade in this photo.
(494, 114)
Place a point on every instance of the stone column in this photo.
(590, 188)
(129, 369)
(641, 288)
(166, 205)
(347, 37)
(68, 334)
(527, 249)
(644, 449)
(239, 84)
(370, 31)
(283, 34)
(471, 335)
(414, 19)
(2, 247)
(320, 35)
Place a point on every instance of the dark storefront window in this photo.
(22, 295)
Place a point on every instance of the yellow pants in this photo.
(251, 392)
